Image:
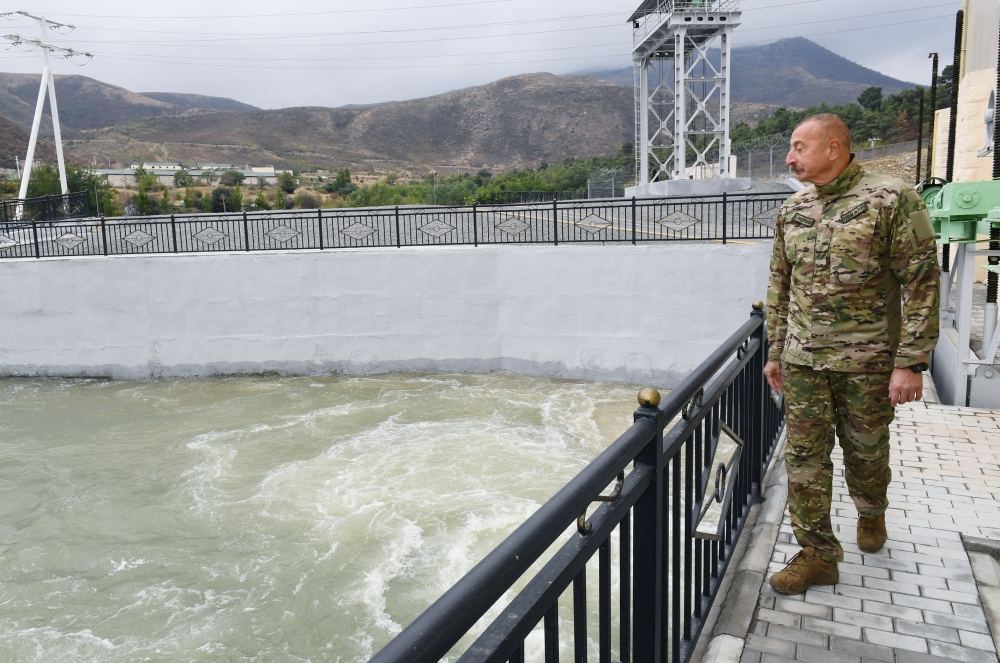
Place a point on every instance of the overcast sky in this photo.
(335, 52)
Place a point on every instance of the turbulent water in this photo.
(266, 519)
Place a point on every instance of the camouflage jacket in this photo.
(854, 276)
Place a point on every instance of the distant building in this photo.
(165, 172)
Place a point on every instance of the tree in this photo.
(871, 98)
(225, 199)
(306, 200)
(286, 182)
(260, 202)
(183, 179)
(342, 182)
(231, 178)
(102, 199)
(281, 200)
(945, 82)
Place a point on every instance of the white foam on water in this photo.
(275, 519)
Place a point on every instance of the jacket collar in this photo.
(846, 181)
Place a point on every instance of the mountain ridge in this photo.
(516, 121)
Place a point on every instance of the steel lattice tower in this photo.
(682, 46)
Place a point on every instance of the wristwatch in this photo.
(918, 368)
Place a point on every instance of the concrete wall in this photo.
(642, 314)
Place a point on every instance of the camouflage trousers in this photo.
(856, 405)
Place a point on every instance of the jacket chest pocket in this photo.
(854, 247)
(800, 239)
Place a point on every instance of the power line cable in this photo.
(354, 66)
(214, 43)
(292, 14)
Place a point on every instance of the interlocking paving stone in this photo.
(922, 603)
(916, 600)
(977, 640)
(895, 640)
(924, 630)
(778, 617)
(890, 610)
(866, 650)
(968, 611)
(767, 645)
(832, 628)
(964, 654)
(817, 655)
(954, 621)
(797, 635)
(802, 608)
(860, 618)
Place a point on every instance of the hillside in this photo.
(517, 121)
(198, 102)
(14, 140)
(85, 103)
(792, 72)
(512, 122)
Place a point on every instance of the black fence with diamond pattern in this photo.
(631, 220)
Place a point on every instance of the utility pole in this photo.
(47, 85)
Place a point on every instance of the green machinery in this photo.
(966, 217)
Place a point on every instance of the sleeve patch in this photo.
(920, 222)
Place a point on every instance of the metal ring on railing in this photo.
(583, 525)
(693, 404)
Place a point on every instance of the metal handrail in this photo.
(617, 220)
(727, 387)
(43, 208)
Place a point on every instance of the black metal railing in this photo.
(43, 208)
(669, 567)
(722, 217)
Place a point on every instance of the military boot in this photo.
(804, 570)
(871, 533)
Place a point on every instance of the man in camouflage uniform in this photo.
(852, 317)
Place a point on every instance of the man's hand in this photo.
(772, 373)
(904, 386)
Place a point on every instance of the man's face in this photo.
(810, 155)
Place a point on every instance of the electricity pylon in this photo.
(47, 85)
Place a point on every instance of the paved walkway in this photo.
(916, 600)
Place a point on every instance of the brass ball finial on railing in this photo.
(649, 397)
(758, 305)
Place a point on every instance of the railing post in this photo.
(633, 219)
(724, 215)
(319, 214)
(398, 239)
(104, 236)
(555, 222)
(475, 226)
(758, 395)
(173, 231)
(648, 544)
(34, 233)
(246, 232)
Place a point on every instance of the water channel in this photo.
(267, 518)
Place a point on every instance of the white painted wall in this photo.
(642, 314)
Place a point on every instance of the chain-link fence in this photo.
(758, 161)
(606, 183)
